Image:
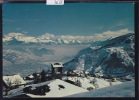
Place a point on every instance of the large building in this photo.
(57, 67)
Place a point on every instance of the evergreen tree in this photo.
(35, 75)
(43, 76)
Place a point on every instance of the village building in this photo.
(13, 80)
(57, 68)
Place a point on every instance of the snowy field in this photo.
(56, 91)
(101, 83)
(104, 89)
(126, 89)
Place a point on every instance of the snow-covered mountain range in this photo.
(18, 38)
(25, 59)
(48, 38)
(114, 57)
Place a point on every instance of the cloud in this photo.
(120, 23)
(18, 29)
(98, 37)
(109, 34)
(99, 28)
(35, 20)
(9, 20)
(118, 32)
(24, 32)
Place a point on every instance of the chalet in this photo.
(13, 81)
(57, 67)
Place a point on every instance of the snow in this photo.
(99, 81)
(19, 91)
(122, 54)
(57, 65)
(13, 80)
(84, 82)
(56, 92)
(39, 84)
(126, 89)
(63, 39)
(104, 88)
(31, 76)
(105, 83)
(13, 95)
(46, 38)
(115, 57)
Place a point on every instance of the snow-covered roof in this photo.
(55, 90)
(31, 76)
(19, 91)
(13, 80)
(57, 65)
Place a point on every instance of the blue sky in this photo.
(76, 19)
